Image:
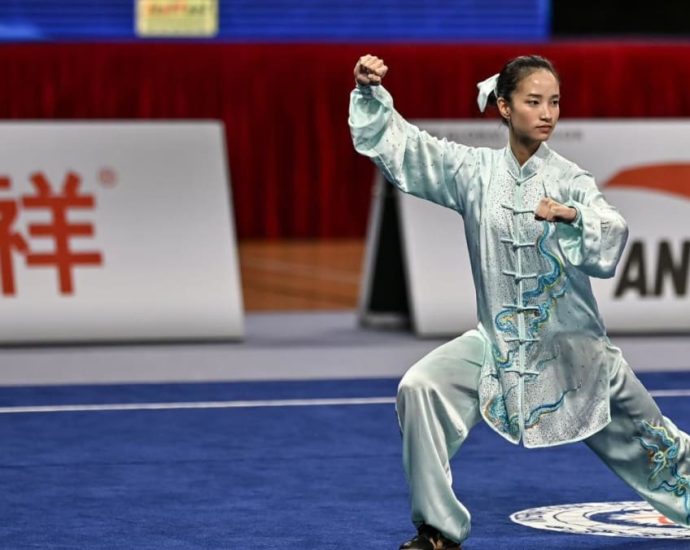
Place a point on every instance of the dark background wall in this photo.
(620, 18)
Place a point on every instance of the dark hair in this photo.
(514, 71)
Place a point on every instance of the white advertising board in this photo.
(116, 232)
(643, 168)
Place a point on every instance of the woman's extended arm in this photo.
(411, 159)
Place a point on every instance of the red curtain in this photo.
(294, 173)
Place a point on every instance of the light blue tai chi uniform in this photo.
(539, 368)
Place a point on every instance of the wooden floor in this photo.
(300, 275)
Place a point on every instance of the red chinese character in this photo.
(9, 240)
(59, 229)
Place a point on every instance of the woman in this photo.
(539, 368)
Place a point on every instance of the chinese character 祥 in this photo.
(59, 229)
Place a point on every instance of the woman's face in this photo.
(534, 108)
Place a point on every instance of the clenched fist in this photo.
(552, 211)
(370, 70)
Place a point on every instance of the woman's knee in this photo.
(449, 363)
(414, 388)
(418, 378)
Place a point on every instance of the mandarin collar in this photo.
(531, 167)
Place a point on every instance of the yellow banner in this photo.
(177, 18)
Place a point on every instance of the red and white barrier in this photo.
(116, 232)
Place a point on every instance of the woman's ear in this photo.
(503, 107)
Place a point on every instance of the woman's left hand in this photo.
(552, 211)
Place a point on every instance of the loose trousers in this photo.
(438, 404)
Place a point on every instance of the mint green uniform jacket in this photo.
(546, 381)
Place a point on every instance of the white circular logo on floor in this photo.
(611, 519)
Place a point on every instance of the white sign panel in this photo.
(643, 167)
(116, 231)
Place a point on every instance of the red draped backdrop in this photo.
(294, 173)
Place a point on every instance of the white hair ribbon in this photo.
(485, 88)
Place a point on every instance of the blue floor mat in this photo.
(326, 477)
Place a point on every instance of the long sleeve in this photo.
(417, 163)
(595, 241)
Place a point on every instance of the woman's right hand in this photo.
(370, 70)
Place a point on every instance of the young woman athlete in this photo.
(539, 368)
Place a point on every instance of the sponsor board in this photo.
(116, 231)
(609, 519)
